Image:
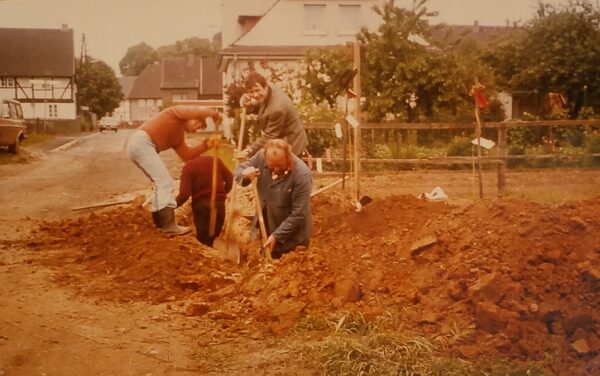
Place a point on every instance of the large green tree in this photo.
(97, 87)
(190, 46)
(136, 59)
(558, 51)
(401, 69)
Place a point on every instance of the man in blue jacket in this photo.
(284, 185)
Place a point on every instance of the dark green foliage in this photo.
(97, 87)
(558, 51)
(136, 58)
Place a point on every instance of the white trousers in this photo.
(142, 152)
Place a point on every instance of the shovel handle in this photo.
(261, 219)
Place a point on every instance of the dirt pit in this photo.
(512, 279)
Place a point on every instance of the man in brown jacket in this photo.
(277, 116)
(166, 131)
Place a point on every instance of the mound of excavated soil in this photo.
(503, 278)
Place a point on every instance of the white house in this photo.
(280, 31)
(37, 68)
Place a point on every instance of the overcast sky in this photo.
(111, 26)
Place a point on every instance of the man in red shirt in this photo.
(196, 181)
(166, 131)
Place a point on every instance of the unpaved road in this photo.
(46, 329)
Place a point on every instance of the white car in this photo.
(108, 123)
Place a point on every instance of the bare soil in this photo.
(104, 292)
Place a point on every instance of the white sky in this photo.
(112, 26)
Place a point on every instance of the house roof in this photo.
(37, 52)
(147, 84)
(211, 79)
(180, 73)
(482, 36)
(126, 85)
(191, 72)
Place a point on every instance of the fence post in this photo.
(502, 153)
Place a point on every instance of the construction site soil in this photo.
(522, 278)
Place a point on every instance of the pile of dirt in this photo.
(503, 278)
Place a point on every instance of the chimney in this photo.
(64, 27)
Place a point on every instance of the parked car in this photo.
(108, 123)
(13, 129)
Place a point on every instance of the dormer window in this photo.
(314, 19)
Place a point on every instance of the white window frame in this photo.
(142, 103)
(53, 110)
(6, 81)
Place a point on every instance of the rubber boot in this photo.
(156, 219)
(167, 221)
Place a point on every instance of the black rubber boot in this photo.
(156, 219)
(168, 225)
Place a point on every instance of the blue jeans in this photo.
(142, 152)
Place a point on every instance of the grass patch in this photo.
(36, 138)
(355, 346)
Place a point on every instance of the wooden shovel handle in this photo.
(261, 220)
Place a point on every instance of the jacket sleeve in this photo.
(255, 161)
(185, 186)
(273, 129)
(191, 112)
(300, 200)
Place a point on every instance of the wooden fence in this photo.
(499, 159)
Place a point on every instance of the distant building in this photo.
(261, 32)
(173, 80)
(123, 112)
(37, 68)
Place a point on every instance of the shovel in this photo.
(224, 244)
(264, 251)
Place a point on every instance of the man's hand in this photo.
(213, 141)
(250, 172)
(246, 100)
(270, 244)
(242, 155)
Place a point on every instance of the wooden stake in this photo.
(357, 116)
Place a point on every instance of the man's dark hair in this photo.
(253, 79)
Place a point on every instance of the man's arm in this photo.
(183, 112)
(273, 129)
(185, 186)
(300, 200)
(255, 162)
(187, 153)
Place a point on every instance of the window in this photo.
(314, 18)
(52, 110)
(150, 102)
(349, 19)
(179, 96)
(7, 82)
(142, 102)
(159, 102)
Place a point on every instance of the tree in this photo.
(404, 78)
(558, 51)
(98, 87)
(190, 46)
(136, 59)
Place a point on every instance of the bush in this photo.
(460, 146)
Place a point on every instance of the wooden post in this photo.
(502, 153)
(357, 133)
(478, 137)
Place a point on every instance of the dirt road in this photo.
(52, 323)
